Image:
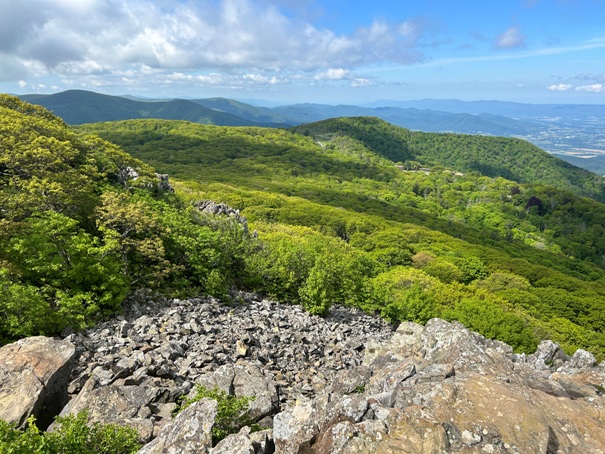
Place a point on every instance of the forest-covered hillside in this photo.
(359, 212)
(82, 224)
(514, 159)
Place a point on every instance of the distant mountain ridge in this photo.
(513, 159)
(506, 108)
(79, 107)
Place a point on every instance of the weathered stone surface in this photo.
(189, 433)
(341, 384)
(239, 443)
(34, 375)
(123, 405)
(441, 388)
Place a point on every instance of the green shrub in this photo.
(231, 411)
(73, 435)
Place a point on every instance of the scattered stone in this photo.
(168, 345)
(345, 383)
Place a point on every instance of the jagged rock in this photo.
(163, 183)
(189, 433)
(296, 430)
(123, 405)
(548, 354)
(441, 388)
(239, 443)
(34, 376)
(581, 359)
(263, 441)
(218, 209)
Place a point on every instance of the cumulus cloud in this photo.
(596, 88)
(560, 87)
(91, 38)
(512, 38)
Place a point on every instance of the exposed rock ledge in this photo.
(344, 384)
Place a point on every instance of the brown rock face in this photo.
(443, 389)
(34, 375)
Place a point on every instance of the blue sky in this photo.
(328, 51)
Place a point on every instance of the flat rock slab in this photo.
(34, 375)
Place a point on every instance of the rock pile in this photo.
(342, 384)
(440, 388)
(216, 210)
(145, 360)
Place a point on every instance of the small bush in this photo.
(231, 411)
(73, 435)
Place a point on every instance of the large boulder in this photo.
(34, 375)
(189, 433)
(114, 404)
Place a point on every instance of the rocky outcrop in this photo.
(342, 384)
(220, 209)
(34, 374)
(441, 388)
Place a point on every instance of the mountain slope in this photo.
(258, 115)
(79, 107)
(82, 223)
(513, 159)
(339, 221)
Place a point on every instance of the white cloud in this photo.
(88, 38)
(335, 74)
(596, 88)
(559, 87)
(512, 38)
(361, 82)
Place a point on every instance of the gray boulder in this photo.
(189, 433)
(122, 405)
(34, 376)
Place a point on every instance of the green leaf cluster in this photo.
(72, 435)
(82, 223)
(231, 413)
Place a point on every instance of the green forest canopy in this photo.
(82, 223)
(356, 214)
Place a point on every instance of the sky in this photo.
(321, 51)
